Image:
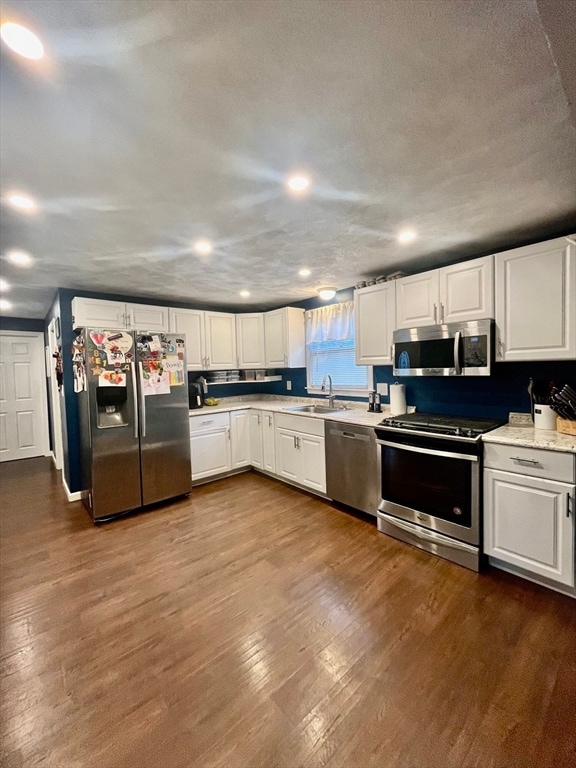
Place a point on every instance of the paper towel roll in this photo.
(397, 399)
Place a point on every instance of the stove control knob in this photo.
(469, 433)
(458, 431)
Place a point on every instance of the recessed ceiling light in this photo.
(406, 236)
(298, 183)
(304, 272)
(20, 258)
(21, 40)
(203, 247)
(245, 294)
(4, 286)
(22, 202)
(327, 293)
(5, 305)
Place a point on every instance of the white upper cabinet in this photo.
(417, 300)
(536, 302)
(453, 294)
(250, 340)
(466, 291)
(284, 338)
(94, 313)
(146, 317)
(190, 322)
(374, 322)
(220, 341)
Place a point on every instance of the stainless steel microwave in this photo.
(453, 349)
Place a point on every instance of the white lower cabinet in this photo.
(240, 438)
(262, 448)
(300, 451)
(529, 521)
(210, 448)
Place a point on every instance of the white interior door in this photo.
(23, 411)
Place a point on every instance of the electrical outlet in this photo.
(382, 389)
(288, 385)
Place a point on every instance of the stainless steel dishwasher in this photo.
(352, 466)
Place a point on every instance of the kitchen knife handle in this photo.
(142, 403)
(135, 398)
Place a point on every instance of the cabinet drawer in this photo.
(209, 421)
(300, 424)
(550, 465)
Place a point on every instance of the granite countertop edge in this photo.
(528, 437)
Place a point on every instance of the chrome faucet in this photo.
(330, 394)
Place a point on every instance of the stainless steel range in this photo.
(431, 483)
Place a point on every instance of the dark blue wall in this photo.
(21, 324)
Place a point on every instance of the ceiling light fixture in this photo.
(298, 183)
(21, 40)
(23, 202)
(5, 305)
(245, 294)
(304, 272)
(20, 258)
(327, 293)
(203, 247)
(406, 236)
(4, 286)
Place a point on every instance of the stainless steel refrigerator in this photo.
(133, 403)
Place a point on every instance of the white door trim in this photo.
(40, 358)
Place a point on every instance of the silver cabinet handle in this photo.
(441, 312)
(237, 361)
(295, 446)
(135, 397)
(269, 420)
(228, 432)
(208, 421)
(500, 347)
(286, 360)
(457, 337)
(568, 500)
(526, 461)
(142, 404)
(435, 313)
(258, 418)
(298, 443)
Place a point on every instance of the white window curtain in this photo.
(330, 348)
(332, 323)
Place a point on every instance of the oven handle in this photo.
(414, 449)
(457, 366)
(436, 538)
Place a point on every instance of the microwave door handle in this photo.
(457, 366)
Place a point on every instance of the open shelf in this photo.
(243, 381)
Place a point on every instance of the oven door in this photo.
(431, 482)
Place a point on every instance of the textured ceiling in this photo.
(152, 124)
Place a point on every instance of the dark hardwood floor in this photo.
(254, 626)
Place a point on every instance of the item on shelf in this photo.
(361, 284)
(260, 374)
(396, 275)
(211, 401)
(249, 375)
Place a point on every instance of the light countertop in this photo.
(355, 413)
(529, 437)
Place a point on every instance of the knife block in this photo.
(565, 427)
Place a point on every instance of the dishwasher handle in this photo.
(350, 435)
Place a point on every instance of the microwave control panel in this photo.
(475, 351)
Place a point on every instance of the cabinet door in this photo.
(210, 453)
(276, 339)
(94, 313)
(536, 302)
(240, 438)
(417, 300)
(190, 322)
(256, 447)
(268, 447)
(312, 462)
(250, 340)
(466, 291)
(220, 341)
(145, 317)
(529, 523)
(375, 320)
(287, 455)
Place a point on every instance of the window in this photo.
(330, 349)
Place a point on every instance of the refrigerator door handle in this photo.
(142, 403)
(135, 396)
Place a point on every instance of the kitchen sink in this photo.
(312, 409)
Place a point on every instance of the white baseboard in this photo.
(76, 496)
